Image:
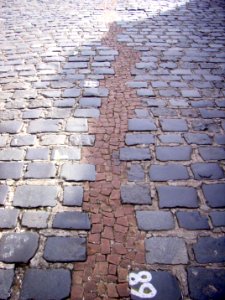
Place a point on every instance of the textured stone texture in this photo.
(214, 194)
(168, 172)
(46, 284)
(10, 170)
(135, 194)
(192, 220)
(154, 220)
(141, 125)
(173, 153)
(35, 219)
(210, 250)
(35, 196)
(166, 250)
(6, 279)
(3, 193)
(71, 220)
(177, 196)
(73, 196)
(207, 171)
(78, 172)
(65, 249)
(8, 217)
(206, 283)
(18, 247)
(134, 154)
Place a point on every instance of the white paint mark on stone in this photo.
(141, 286)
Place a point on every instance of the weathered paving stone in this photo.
(95, 92)
(52, 139)
(35, 219)
(73, 196)
(135, 194)
(18, 247)
(212, 153)
(64, 153)
(77, 125)
(166, 250)
(190, 93)
(145, 93)
(11, 170)
(171, 138)
(141, 125)
(218, 218)
(37, 126)
(65, 249)
(210, 250)
(154, 220)
(71, 93)
(37, 153)
(130, 154)
(139, 139)
(23, 140)
(82, 140)
(220, 139)
(206, 284)
(40, 170)
(192, 220)
(72, 220)
(8, 217)
(6, 280)
(137, 84)
(35, 196)
(176, 153)
(3, 193)
(90, 102)
(163, 282)
(177, 196)
(198, 138)
(87, 113)
(136, 173)
(214, 194)
(46, 284)
(212, 113)
(174, 125)
(10, 126)
(78, 172)
(207, 171)
(11, 154)
(168, 172)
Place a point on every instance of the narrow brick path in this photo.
(112, 175)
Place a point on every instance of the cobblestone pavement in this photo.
(112, 150)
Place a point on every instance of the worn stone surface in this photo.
(71, 220)
(135, 194)
(177, 196)
(141, 125)
(73, 196)
(134, 154)
(11, 170)
(209, 250)
(46, 284)
(6, 279)
(206, 283)
(8, 218)
(138, 139)
(35, 219)
(65, 249)
(3, 193)
(154, 220)
(18, 247)
(78, 172)
(214, 194)
(166, 250)
(192, 220)
(207, 171)
(168, 172)
(35, 196)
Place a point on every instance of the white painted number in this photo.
(146, 289)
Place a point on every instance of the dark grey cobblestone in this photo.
(177, 196)
(168, 172)
(141, 125)
(139, 139)
(65, 249)
(72, 220)
(210, 250)
(35, 196)
(73, 196)
(40, 170)
(6, 280)
(136, 173)
(177, 153)
(166, 250)
(78, 172)
(35, 219)
(8, 218)
(197, 138)
(3, 193)
(174, 125)
(206, 283)
(18, 247)
(207, 171)
(135, 194)
(192, 220)
(11, 170)
(154, 220)
(128, 154)
(46, 284)
(214, 194)
(212, 153)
